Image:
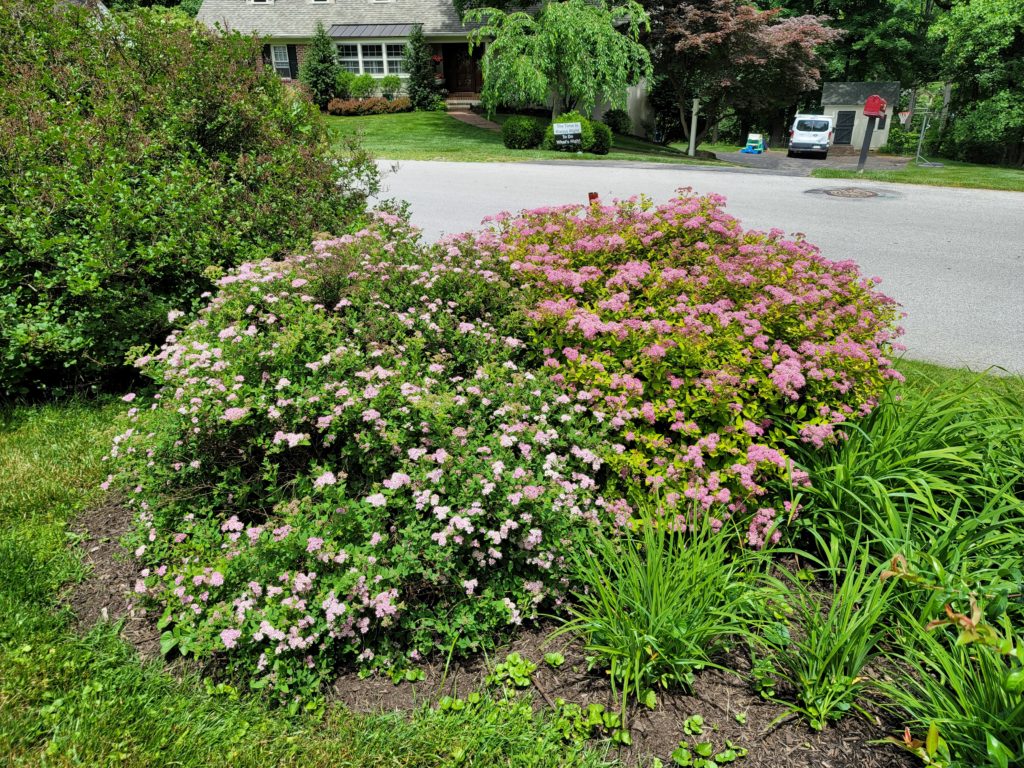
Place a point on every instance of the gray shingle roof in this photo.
(857, 93)
(297, 19)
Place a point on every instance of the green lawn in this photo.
(951, 174)
(439, 136)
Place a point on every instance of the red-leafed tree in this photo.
(733, 55)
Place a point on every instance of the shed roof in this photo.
(857, 93)
(348, 31)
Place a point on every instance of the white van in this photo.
(811, 134)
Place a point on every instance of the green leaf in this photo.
(167, 643)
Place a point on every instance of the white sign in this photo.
(564, 129)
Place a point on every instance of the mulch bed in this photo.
(105, 595)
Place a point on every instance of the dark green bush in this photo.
(602, 139)
(571, 117)
(363, 86)
(319, 72)
(422, 86)
(619, 121)
(138, 158)
(521, 132)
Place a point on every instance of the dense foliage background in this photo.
(139, 155)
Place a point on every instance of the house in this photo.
(844, 102)
(370, 35)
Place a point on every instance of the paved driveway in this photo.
(839, 158)
(954, 258)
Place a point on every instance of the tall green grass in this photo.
(659, 604)
(835, 605)
(967, 693)
(937, 466)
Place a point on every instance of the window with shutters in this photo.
(280, 60)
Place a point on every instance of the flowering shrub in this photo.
(708, 346)
(380, 449)
(347, 459)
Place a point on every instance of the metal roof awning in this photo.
(369, 31)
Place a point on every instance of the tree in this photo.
(320, 69)
(422, 87)
(984, 58)
(579, 51)
(732, 55)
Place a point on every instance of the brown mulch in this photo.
(773, 740)
(106, 593)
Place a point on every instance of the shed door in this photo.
(844, 126)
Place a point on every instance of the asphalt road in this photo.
(953, 258)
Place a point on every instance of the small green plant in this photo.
(821, 660)
(658, 605)
(554, 659)
(363, 86)
(514, 671)
(703, 755)
(741, 718)
(390, 86)
(579, 724)
(693, 725)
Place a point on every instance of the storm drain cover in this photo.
(855, 193)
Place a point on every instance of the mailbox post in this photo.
(874, 108)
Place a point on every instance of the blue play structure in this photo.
(755, 144)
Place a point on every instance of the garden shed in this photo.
(844, 102)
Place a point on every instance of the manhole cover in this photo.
(851, 192)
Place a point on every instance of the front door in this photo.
(844, 126)
(462, 72)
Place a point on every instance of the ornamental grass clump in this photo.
(707, 345)
(348, 460)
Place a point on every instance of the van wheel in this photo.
(789, 153)
(825, 156)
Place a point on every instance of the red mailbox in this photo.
(874, 106)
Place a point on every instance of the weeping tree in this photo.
(578, 52)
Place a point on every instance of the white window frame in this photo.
(260, 2)
(383, 43)
(287, 74)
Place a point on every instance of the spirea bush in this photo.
(139, 155)
(379, 449)
(349, 459)
(708, 346)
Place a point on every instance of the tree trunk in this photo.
(910, 108)
(683, 120)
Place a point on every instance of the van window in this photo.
(813, 126)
